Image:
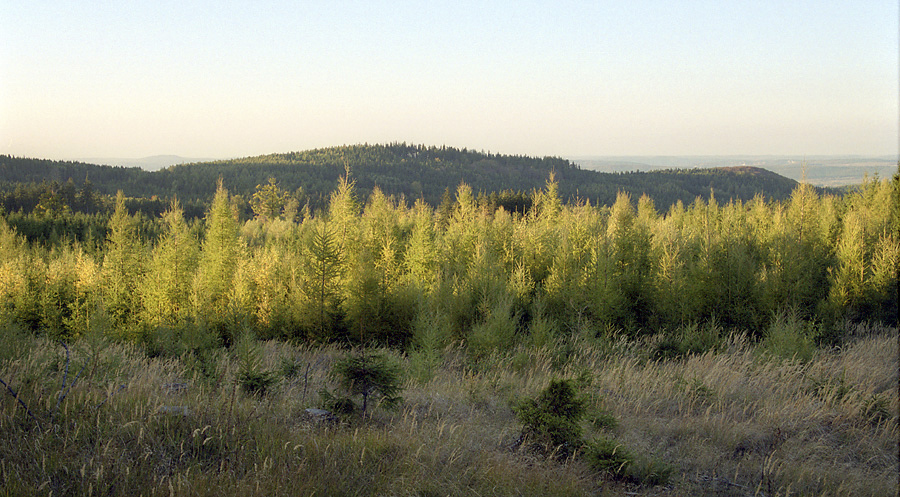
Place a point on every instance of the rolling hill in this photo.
(399, 169)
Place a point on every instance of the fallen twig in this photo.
(63, 391)
(109, 395)
(23, 404)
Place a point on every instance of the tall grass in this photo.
(728, 421)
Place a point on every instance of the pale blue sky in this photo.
(229, 79)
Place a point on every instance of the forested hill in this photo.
(415, 171)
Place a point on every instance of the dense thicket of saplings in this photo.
(384, 272)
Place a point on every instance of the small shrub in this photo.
(542, 332)
(368, 375)
(669, 347)
(689, 339)
(16, 342)
(830, 335)
(553, 418)
(604, 420)
(251, 377)
(700, 339)
(290, 367)
(496, 333)
(257, 382)
(613, 459)
(789, 337)
(196, 338)
(831, 389)
(608, 456)
(422, 365)
(648, 471)
(695, 387)
(164, 341)
(204, 363)
(342, 406)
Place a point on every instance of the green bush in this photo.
(340, 405)
(497, 332)
(608, 456)
(689, 339)
(257, 382)
(613, 459)
(648, 471)
(553, 422)
(789, 337)
(604, 420)
(291, 368)
(251, 377)
(553, 418)
(367, 374)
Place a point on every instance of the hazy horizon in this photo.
(567, 79)
(820, 170)
(652, 160)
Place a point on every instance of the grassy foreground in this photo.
(732, 421)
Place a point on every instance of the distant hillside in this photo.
(820, 170)
(414, 171)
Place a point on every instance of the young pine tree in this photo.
(421, 258)
(218, 262)
(268, 201)
(631, 245)
(122, 266)
(323, 268)
(167, 286)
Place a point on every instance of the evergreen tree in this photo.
(799, 277)
(11, 244)
(122, 266)
(460, 235)
(221, 250)
(867, 253)
(18, 295)
(734, 296)
(87, 311)
(672, 246)
(632, 278)
(268, 201)
(567, 281)
(58, 295)
(444, 209)
(167, 286)
(374, 303)
(324, 269)
(465, 208)
(343, 212)
(421, 257)
(547, 202)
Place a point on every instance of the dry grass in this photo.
(730, 422)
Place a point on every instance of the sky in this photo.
(553, 78)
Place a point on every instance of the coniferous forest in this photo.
(366, 270)
(447, 282)
(397, 169)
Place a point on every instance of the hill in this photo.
(821, 170)
(411, 171)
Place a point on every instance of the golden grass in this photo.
(730, 422)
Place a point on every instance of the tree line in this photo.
(467, 271)
(399, 169)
